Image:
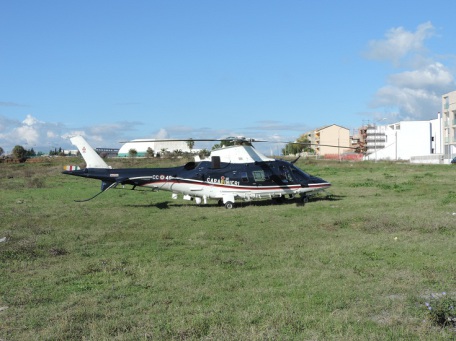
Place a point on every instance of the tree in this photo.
(133, 152)
(57, 152)
(177, 152)
(204, 153)
(302, 144)
(19, 152)
(223, 143)
(1, 151)
(163, 152)
(30, 153)
(190, 144)
(150, 152)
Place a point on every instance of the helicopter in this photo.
(232, 172)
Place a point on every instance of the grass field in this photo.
(137, 265)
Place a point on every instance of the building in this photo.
(108, 152)
(449, 125)
(142, 145)
(359, 140)
(416, 141)
(332, 139)
(375, 138)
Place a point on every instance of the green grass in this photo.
(137, 265)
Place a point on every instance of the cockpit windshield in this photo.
(299, 175)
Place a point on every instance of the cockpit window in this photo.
(299, 175)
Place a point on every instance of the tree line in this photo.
(21, 154)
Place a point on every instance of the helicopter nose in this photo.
(319, 182)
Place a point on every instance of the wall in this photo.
(336, 136)
(404, 140)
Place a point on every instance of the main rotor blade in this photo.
(230, 138)
(235, 139)
(313, 144)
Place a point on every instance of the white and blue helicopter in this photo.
(237, 172)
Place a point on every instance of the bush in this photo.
(441, 308)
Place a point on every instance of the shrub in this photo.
(441, 308)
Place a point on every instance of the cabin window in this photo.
(244, 177)
(215, 162)
(258, 175)
(190, 165)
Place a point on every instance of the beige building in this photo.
(331, 139)
(449, 124)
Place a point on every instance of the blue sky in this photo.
(119, 70)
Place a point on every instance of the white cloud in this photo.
(412, 104)
(31, 121)
(415, 91)
(27, 132)
(433, 76)
(162, 134)
(399, 43)
(43, 136)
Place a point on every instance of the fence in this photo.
(344, 157)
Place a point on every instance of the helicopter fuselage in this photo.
(225, 181)
(236, 172)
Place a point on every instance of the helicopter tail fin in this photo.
(91, 157)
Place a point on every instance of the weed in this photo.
(57, 251)
(22, 250)
(449, 198)
(35, 182)
(442, 309)
(380, 223)
(342, 224)
(366, 183)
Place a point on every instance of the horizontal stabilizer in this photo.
(71, 168)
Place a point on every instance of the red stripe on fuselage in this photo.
(261, 188)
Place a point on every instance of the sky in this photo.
(116, 70)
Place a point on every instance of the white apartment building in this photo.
(415, 141)
(375, 138)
